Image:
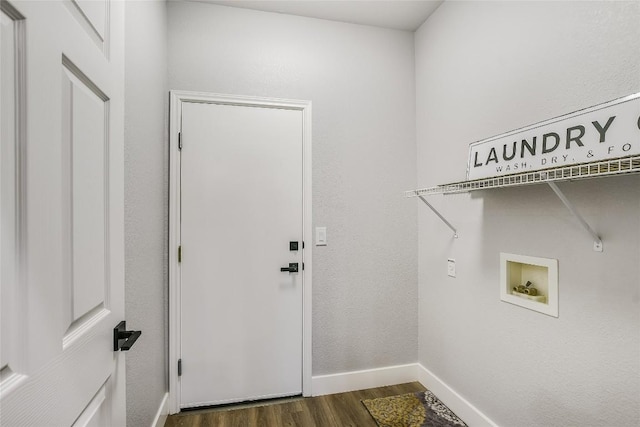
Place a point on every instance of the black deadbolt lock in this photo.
(293, 246)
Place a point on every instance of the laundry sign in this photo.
(606, 131)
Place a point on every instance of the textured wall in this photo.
(146, 193)
(361, 82)
(484, 68)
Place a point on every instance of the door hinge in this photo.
(179, 140)
(179, 367)
(179, 253)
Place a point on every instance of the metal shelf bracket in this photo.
(597, 241)
(435, 211)
(612, 167)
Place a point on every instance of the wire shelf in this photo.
(620, 166)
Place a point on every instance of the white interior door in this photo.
(241, 206)
(61, 175)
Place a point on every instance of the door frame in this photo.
(177, 98)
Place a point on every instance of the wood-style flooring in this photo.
(334, 410)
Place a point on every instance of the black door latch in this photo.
(123, 339)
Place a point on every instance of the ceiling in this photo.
(405, 15)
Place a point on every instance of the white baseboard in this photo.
(359, 380)
(458, 404)
(163, 412)
(380, 377)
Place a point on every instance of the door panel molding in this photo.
(177, 98)
(93, 19)
(85, 187)
(96, 412)
(13, 288)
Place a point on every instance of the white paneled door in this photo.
(61, 183)
(241, 256)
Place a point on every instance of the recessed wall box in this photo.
(530, 282)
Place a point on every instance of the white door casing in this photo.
(189, 115)
(62, 288)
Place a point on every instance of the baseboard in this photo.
(380, 377)
(163, 412)
(458, 404)
(359, 380)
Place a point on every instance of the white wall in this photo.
(484, 68)
(361, 82)
(146, 193)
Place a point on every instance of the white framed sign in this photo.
(606, 131)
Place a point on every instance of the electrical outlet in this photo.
(451, 267)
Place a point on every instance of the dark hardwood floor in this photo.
(335, 410)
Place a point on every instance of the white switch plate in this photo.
(321, 236)
(451, 267)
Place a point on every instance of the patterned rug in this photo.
(421, 409)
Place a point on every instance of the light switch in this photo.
(451, 267)
(321, 236)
